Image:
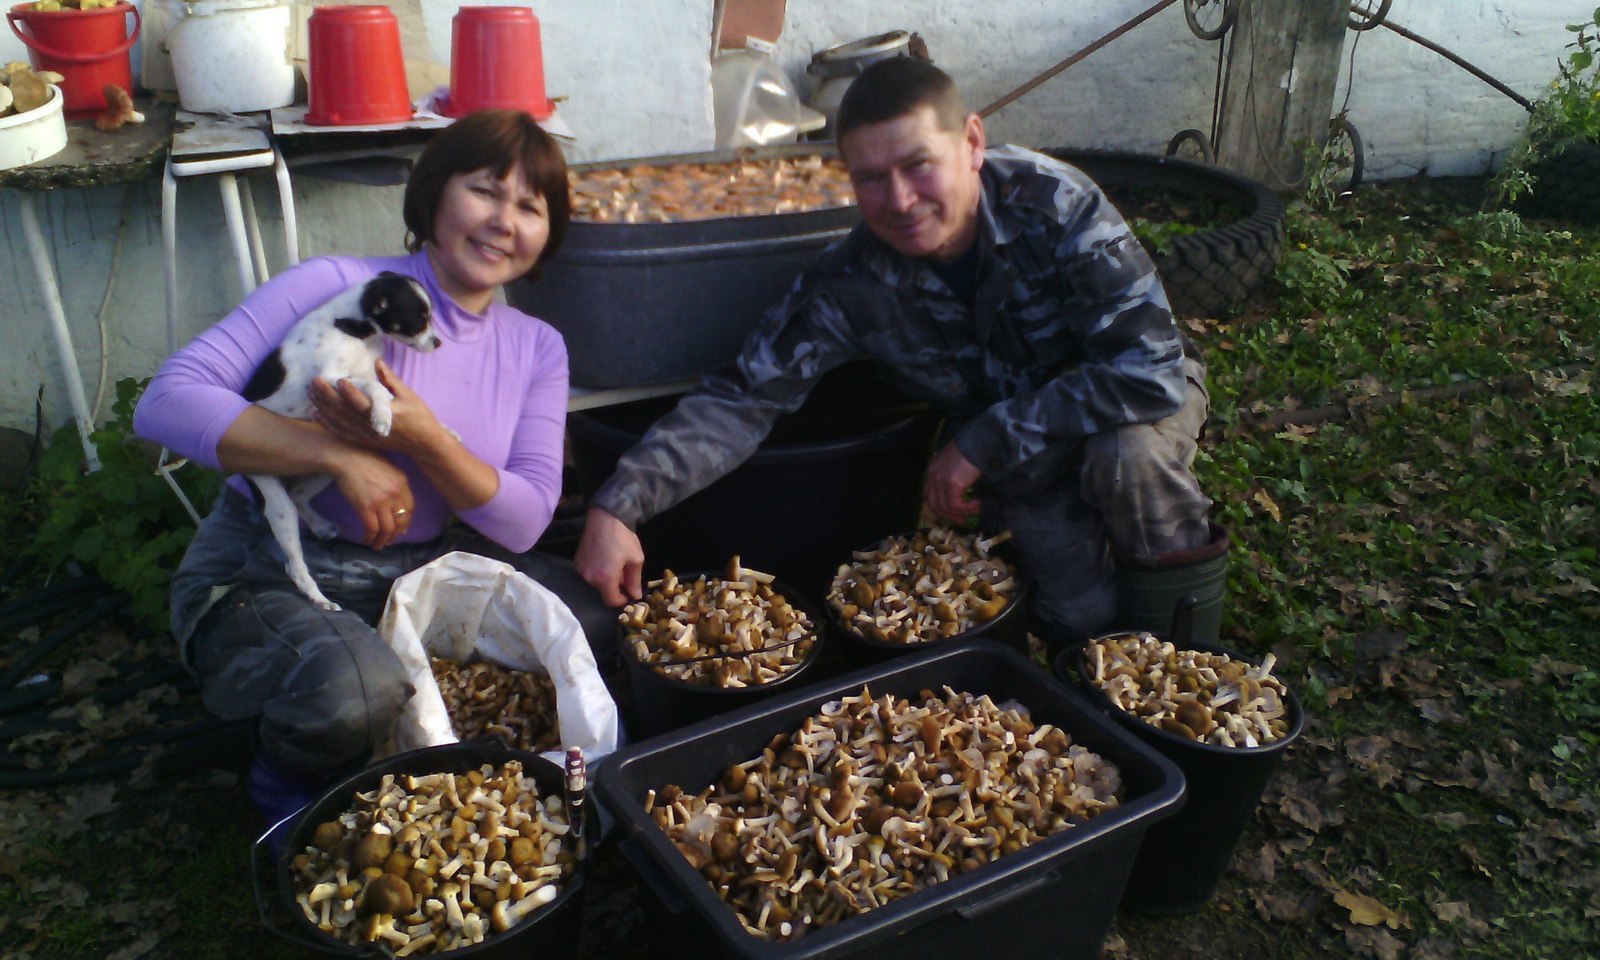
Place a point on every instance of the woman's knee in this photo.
(326, 687)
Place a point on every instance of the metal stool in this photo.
(206, 145)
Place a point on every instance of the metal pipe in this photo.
(1460, 62)
(45, 271)
(1086, 51)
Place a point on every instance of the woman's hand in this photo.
(610, 558)
(346, 412)
(947, 485)
(379, 493)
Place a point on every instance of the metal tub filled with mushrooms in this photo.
(1226, 722)
(955, 799)
(669, 261)
(473, 849)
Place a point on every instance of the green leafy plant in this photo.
(121, 522)
(1569, 113)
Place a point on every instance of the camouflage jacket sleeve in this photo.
(719, 424)
(1127, 359)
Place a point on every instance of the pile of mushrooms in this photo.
(928, 585)
(675, 192)
(875, 798)
(432, 863)
(730, 631)
(1209, 697)
(483, 699)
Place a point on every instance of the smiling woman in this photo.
(472, 460)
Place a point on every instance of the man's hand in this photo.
(610, 558)
(947, 486)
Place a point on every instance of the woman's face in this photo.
(487, 232)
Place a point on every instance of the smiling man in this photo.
(1001, 286)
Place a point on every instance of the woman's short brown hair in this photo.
(493, 140)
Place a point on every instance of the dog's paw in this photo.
(328, 605)
(382, 422)
(322, 528)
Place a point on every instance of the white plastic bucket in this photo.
(233, 56)
(29, 137)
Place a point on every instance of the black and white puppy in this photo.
(340, 340)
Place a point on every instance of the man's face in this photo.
(917, 186)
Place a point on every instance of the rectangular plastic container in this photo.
(646, 303)
(1055, 898)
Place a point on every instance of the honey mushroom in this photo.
(874, 798)
(929, 585)
(1209, 697)
(432, 863)
(732, 631)
(483, 699)
(676, 192)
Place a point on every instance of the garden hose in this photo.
(57, 597)
(53, 641)
(18, 565)
(28, 694)
(206, 742)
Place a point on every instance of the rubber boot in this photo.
(1152, 590)
(279, 796)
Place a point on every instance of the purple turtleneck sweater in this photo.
(498, 379)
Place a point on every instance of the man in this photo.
(1001, 286)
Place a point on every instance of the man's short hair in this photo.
(894, 88)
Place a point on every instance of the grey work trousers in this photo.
(1132, 486)
(325, 686)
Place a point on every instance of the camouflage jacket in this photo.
(1070, 335)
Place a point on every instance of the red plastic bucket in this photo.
(358, 76)
(496, 62)
(87, 47)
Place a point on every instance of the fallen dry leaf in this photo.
(1435, 710)
(1374, 943)
(1367, 911)
(1288, 907)
(1265, 502)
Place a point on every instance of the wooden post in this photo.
(1283, 66)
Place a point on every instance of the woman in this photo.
(486, 204)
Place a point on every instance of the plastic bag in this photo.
(462, 604)
(755, 104)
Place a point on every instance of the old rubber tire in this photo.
(1566, 186)
(1210, 273)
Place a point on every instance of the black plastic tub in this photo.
(1184, 857)
(1010, 628)
(643, 303)
(1055, 898)
(843, 470)
(657, 703)
(552, 929)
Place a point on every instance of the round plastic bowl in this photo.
(1183, 858)
(1009, 628)
(552, 929)
(29, 137)
(358, 76)
(658, 703)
